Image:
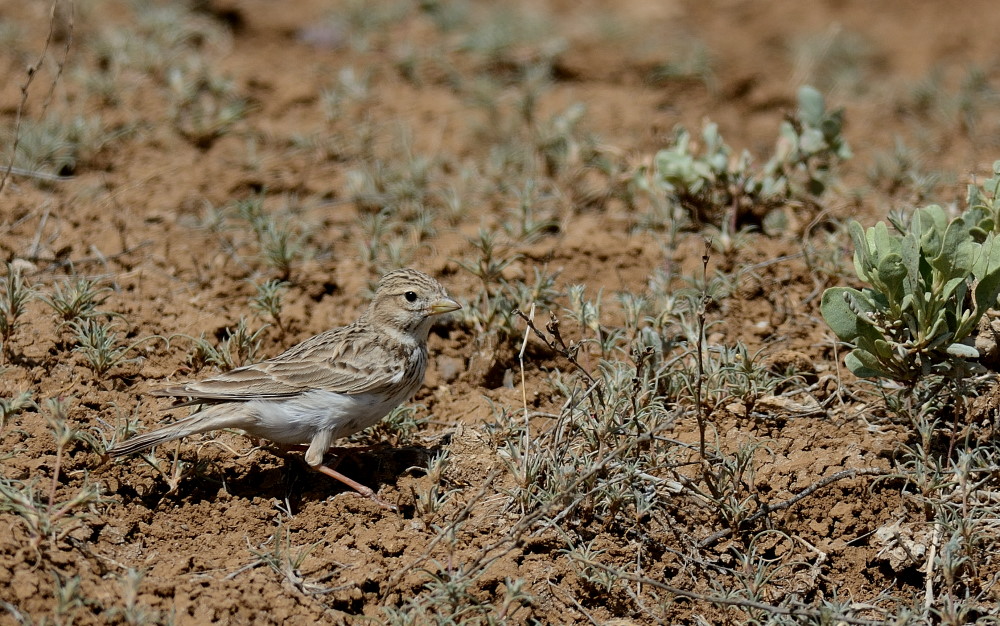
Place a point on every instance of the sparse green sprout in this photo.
(836, 60)
(746, 379)
(56, 144)
(239, 347)
(587, 314)
(269, 300)
(493, 256)
(729, 241)
(10, 407)
(132, 610)
(69, 598)
(430, 502)
(42, 518)
(401, 187)
(692, 61)
(902, 170)
(541, 291)
(985, 201)
(500, 297)
(557, 140)
(77, 297)
(15, 294)
(101, 344)
(583, 557)
(204, 107)
(387, 242)
(287, 560)
(525, 226)
(351, 87)
(57, 416)
(930, 282)
(280, 238)
(280, 242)
(281, 247)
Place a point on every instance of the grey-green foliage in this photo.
(102, 345)
(15, 294)
(14, 405)
(931, 281)
(809, 148)
(58, 143)
(985, 201)
(77, 297)
(807, 151)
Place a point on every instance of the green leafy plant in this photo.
(808, 149)
(985, 201)
(239, 346)
(57, 144)
(10, 407)
(204, 106)
(101, 344)
(269, 300)
(54, 515)
(77, 297)
(281, 239)
(15, 294)
(931, 282)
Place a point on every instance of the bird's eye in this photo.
(410, 296)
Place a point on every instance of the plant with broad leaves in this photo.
(984, 202)
(809, 147)
(931, 282)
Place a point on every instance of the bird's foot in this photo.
(356, 486)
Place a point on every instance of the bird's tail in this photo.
(213, 418)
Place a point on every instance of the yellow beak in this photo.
(444, 305)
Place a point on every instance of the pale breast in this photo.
(296, 420)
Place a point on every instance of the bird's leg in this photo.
(314, 457)
(355, 485)
(339, 451)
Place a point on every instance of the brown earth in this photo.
(138, 212)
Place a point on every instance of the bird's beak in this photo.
(444, 305)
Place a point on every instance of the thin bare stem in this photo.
(771, 508)
(32, 71)
(700, 379)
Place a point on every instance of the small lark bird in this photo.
(327, 387)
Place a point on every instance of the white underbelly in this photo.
(297, 420)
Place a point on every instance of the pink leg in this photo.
(355, 485)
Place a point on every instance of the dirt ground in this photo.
(336, 107)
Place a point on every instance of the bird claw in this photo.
(356, 486)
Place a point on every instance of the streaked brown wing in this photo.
(344, 360)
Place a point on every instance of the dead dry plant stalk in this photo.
(796, 610)
(56, 23)
(524, 388)
(765, 509)
(557, 344)
(706, 469)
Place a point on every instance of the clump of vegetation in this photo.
(77, 297)
(709, 180)
(931, 281)
(10, 407)
(239, 346)
(204, 106)
(56, 145)
(15, 294)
